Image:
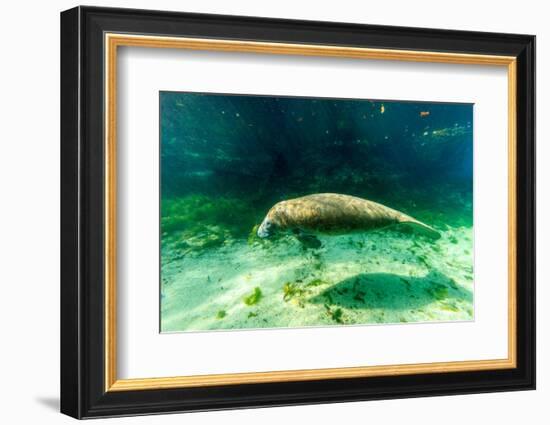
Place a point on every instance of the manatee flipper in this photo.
(308, 241)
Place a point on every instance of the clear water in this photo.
(227, 159)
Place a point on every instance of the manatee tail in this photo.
(418, 225)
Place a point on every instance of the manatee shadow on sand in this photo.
(392, 291)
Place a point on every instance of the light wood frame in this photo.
(114, 41)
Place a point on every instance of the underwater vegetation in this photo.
(226, 160)
(254, 297)
(195, 213)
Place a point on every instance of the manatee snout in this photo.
(266, 229)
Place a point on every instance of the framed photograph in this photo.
(261, 212)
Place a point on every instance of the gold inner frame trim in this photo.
(113, 41)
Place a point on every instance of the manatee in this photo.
(333, 214)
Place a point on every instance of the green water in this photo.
(225, 160)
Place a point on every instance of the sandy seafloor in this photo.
(385, 276)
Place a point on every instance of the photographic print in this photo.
(286, 212)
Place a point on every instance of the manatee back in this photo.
(337, 213)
